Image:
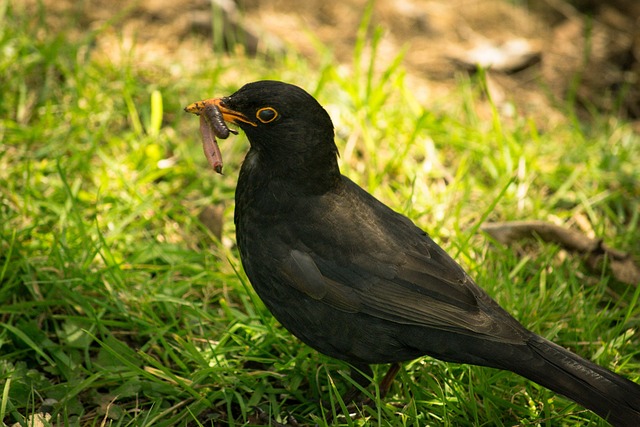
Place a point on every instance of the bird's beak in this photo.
(228, 114)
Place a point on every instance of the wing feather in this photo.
(399, 275)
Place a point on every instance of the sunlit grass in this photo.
(118, 306)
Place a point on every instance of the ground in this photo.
(585, 51)
(122, 298)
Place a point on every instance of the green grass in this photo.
(118, 304)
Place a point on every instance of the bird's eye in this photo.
(267, 114)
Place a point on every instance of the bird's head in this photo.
(284, 124)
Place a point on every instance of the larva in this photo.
(212, 114)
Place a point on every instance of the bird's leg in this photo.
(361, 375)
(384, 385)
(386, 382)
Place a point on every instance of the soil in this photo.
(538, 55)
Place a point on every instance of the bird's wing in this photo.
(386, 267)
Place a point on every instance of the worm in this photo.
(210, 145)
(212, 125)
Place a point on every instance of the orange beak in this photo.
(228, 114)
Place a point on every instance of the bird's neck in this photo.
(298, 176)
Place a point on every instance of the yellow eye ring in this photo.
(266, 114)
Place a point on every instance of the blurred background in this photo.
(122, 298)
(585, 49)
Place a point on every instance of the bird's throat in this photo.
(261, 173)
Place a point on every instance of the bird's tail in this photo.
(609, 395)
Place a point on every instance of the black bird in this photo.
(360, 282)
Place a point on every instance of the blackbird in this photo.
(360, 282)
